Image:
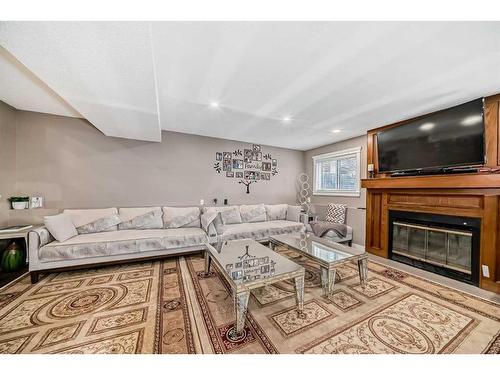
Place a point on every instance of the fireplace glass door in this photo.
(439, 246)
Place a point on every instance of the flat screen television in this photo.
(450, 138)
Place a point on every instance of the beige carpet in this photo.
(172, 307)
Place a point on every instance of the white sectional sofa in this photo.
(103, 236)
(258, 222)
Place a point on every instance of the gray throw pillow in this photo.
(276, 211)
(106, 224)
(60, 227)
(293, 213)
(253, 213)
(231, 216)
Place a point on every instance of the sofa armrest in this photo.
(37, 238)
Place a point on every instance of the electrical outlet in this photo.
(486, 271)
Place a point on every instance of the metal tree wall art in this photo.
(247, 184)
(249, 165)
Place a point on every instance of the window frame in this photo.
(356, 151)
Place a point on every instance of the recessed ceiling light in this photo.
(286, 119)
(427, 126)
(336, 131)
(214, 105)
(471, 120)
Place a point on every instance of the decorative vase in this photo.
(13, 257)
(19, 205)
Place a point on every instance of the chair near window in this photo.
(333, 213)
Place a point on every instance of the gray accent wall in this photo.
(356, 215)
(73, 165)
(7, 159)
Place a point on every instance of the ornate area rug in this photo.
(171, 306)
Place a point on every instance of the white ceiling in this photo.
(131, 79)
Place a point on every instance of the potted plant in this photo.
(19, 203)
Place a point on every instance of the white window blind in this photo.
(337, 173)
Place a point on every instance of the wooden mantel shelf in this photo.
(456, 181)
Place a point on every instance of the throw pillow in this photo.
(276, 211)
(336, 213)
(293, 213)
(231, 216)
(181, 217)
(148, 220)
(253, 213)
(105, 224)
(60, 227)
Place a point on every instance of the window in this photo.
(337, 173)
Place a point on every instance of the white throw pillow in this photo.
(276, 211)
(60, 226)
(231, 216)
(293, 213)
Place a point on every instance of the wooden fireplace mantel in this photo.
(455, 181)
(466, 195)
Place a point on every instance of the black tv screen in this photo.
(449, 138)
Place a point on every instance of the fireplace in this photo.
(446, 245)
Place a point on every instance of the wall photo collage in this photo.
(248, 165)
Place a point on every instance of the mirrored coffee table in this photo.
(327, 253)
(248, 265)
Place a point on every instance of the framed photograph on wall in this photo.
(239, 174)
(266, 167)
(256, 148)
(218, 156)
(229, 174)
(227, 156)
(275, 162)
(237, 164)
(248, 154)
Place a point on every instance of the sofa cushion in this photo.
(181, 217)
(293, 213)
(60, 227)
(94, 220)
(276, 211)
(141, 218)
(231, 216)
(121, 242)
(261, 230)
(253, 213)
(217, 221)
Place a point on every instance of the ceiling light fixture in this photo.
(336, 131)
(286, 119)
(214, 105)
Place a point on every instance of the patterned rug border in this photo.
(493, 346)
(449, 347)
(159, 310)
(213, 329)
